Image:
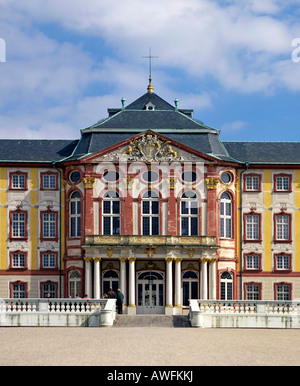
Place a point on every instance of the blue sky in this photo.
(230, 61)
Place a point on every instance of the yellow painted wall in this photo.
(34, 217)
(3, 216)
(238, 222)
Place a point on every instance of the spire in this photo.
(150, 87)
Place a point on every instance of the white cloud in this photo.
(244, 45)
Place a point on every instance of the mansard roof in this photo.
(35, 150)
(151, 112)
(265, 152)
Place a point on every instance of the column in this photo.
(89, 205)
(123, 277)
(204, 278)
(97, 277)
(213, 282)
(88, 276)
(169, 286)
(131, 301)
(178, 282)
(211, 208)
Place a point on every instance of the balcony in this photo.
(201, 242)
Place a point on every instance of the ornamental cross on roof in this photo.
(150, 87)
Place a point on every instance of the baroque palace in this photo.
(151, 201)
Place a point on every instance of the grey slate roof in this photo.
(265, 152)
(35, 150)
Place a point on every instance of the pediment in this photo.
(148, 147)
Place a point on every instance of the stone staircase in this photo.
(177, 321)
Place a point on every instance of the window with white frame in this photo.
(226, 286)
(18, 290)
(189, 214)
(18, 181)
(18, 224)
(283, 292)
(75, 214)
(252, 183)
(49, 181)
(150, 213)
(252, 227)
(252, 261)
(49, 225)
(282, 183)
(253, 291)
(225, 216)
(74, 283)
(49, 260)
(49, 290)
(282, 262)
(18, 260)
(111, 213)
(282, 227)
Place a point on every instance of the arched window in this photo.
(189, 286)
(110, 279)
(111, 213)
(226, 286)
(189, 214)
(74, 283)
(75, 214)
(150, 213)
(226, 216)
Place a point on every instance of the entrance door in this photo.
(150, 290)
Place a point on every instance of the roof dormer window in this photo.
(150, 106)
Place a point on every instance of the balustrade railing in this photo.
(52, 305)
(248, 306)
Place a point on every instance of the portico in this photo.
(155, 273)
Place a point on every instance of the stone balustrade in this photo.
(244, 314)
(57, 312)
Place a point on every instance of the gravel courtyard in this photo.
(147, 346)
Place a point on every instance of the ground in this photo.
(148, 346)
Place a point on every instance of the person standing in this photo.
(111, 294)
(120, 299)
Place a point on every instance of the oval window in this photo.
(226, 178)
(189, 176)
(150, 176)
(111, 175)
(74, 176)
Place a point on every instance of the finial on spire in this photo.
(150, 87)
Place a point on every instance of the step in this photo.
(152, 321)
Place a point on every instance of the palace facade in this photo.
(151, 201)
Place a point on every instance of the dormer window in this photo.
(150, 106)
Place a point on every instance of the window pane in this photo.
(106, 225)
(194, 226)
(184, 226)
(155, 226)
(146, 226)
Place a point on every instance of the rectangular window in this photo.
(283, 292)
(282, 227)
(253, 291)
(49, 290)
(282, 262)
(49, 181)
(252, 183)
(49, 225)
(252, 227)
(252, 262)
(18, 290)
(18, 260)
(49, 260)
(282, 183)
(18, 224)
(18, 180)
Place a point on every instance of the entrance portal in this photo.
(150, 290)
